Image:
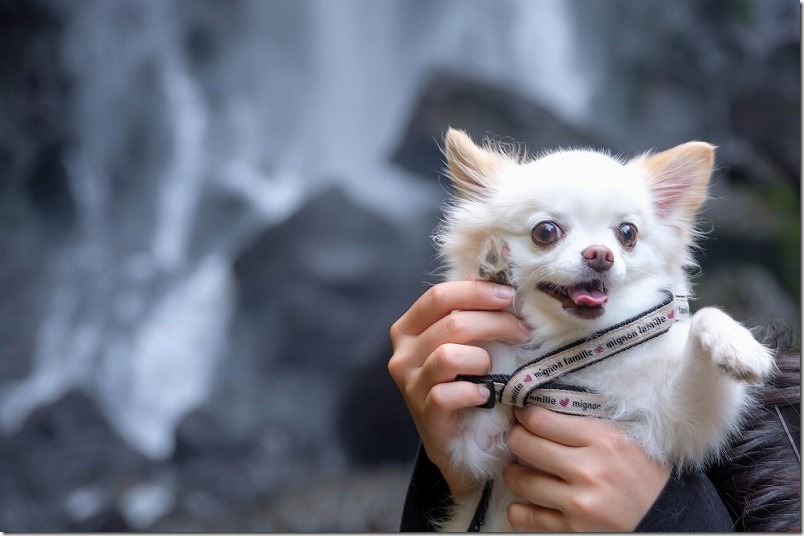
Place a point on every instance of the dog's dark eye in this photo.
(545, 233)
(627, 235)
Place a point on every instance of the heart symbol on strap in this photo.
(671, 315)
(599, 349)
(527, 379)
(564, 402)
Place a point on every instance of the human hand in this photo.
(584, 474)
(431, 343)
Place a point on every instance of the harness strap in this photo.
(568, 399)
(533, 382)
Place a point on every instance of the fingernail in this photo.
(504, 292)
(484, 392)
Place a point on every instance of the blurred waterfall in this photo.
(181, 107)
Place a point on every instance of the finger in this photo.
(463, 327)
(442, 366)
(440, 300)
(542, 453)
(533, 518)
(536, 486)
(450, 360)
(446, 397)
(570, 430)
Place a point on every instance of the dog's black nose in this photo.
(598, 258)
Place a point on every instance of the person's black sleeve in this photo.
(428, 497)
(688, 503)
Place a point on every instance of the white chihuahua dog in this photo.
(598, 251)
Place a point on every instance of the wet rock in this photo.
(326, 283)
(482, 109)
(60, 450)
(316, 297)
(23, 284)
(374, 423)
(36, 205)
(35, 90)
(49, 191)
(238, 469)
(726, 72)
(750, 293)
(358, 501)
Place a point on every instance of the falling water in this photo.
(267, 103)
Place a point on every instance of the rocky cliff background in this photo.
(212, 211)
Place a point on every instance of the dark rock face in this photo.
(373, 423)
(37, 207)
(215, 473)
(481, 109)
(65, 468)
(315, 297)
(319, 280)
(48, 189)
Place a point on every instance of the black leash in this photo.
(479, 518)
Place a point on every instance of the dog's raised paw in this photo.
(493, 264)
(731, 346)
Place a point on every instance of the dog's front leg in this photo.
(730, 346)
(709, 395)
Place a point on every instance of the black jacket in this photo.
(688, 503)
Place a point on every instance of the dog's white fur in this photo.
(680, 395)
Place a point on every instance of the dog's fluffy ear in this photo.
(679, 178)
(471, 168)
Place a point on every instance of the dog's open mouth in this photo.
(584, 299)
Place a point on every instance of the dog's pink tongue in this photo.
(588, 297)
